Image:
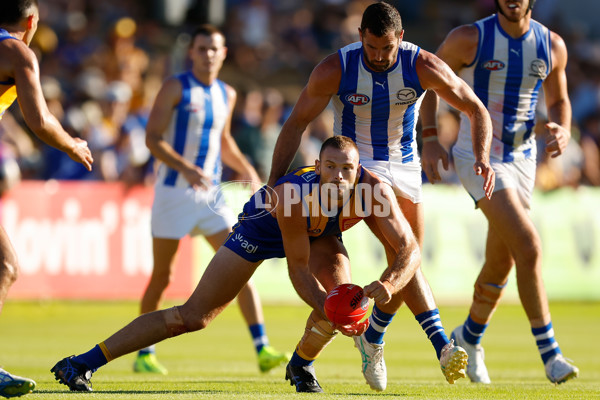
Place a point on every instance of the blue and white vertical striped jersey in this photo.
(196, 128)
(507, 75)
(379, 110)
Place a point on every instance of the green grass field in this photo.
(219, 363)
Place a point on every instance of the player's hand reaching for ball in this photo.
(380, 291)
(354, 329)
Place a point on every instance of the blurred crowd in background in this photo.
(102, 63)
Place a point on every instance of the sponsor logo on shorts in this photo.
(244, 244)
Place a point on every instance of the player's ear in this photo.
(30, 22)
(317, 167)
(358, 173)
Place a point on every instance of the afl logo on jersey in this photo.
(406, 96)
(538, 69)
(493, 65)
(357, 99)
(192, 108)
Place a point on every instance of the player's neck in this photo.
(206, 78)
(515, 29)
(14, 31)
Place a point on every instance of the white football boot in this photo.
(453, 361)
(373, 364)
(558, 369)
(476, 369)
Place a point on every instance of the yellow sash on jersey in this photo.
(7, 98)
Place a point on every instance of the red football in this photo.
(346, 304)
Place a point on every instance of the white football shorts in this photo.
(518, 175)
(177, 212)
(405, 179)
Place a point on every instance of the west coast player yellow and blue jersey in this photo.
(257, 236)
(379, 110)
(10, 95)
(507, 75)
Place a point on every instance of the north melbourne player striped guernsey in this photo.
(379, 110)
(507, 75)
(195, 129)
(10, 95)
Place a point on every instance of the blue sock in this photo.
(93, 359)
(259, 336)
(432, 326)
(378, 323)
(472, 331)
(547, 345)
(147, 350)
(298, 361)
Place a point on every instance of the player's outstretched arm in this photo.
(35, 110)
(293, 226)
(386, 220)
(322, 84)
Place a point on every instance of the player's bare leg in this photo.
(510, 221)
(164, 253)
(489, 288)
(419, 298)
(10, 385)
(224, 277)
(9, 267)
(250, 305)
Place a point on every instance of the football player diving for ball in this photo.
(302, 219)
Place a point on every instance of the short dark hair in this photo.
(338, 142)
(381, 18)
(206, 30)
(13, 11)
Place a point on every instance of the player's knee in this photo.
(317, 335)
(531, 256)
(174, 322)
(9, 271)
(160, 281)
